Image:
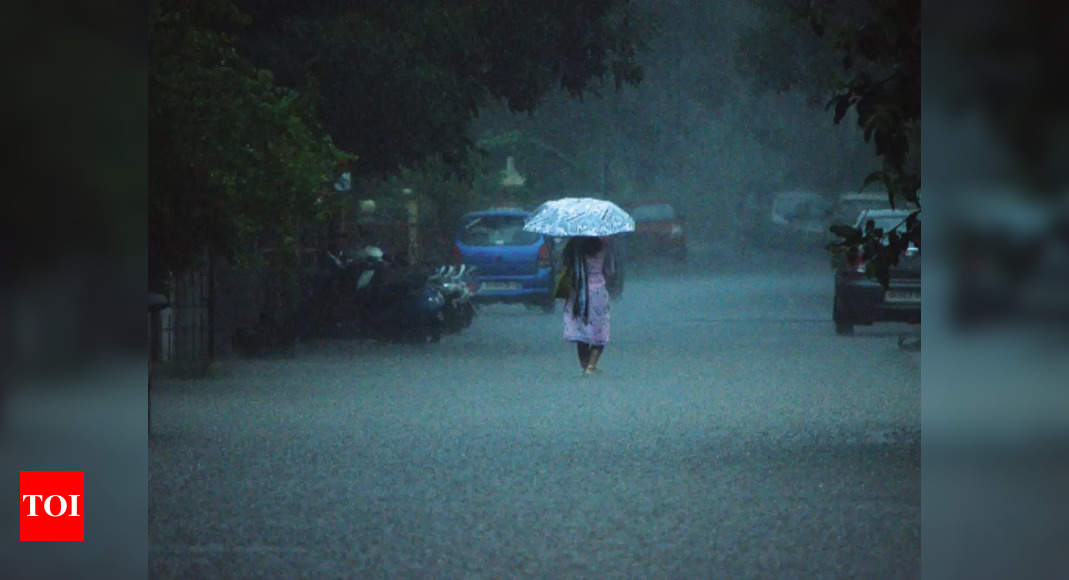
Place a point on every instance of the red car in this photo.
(659, 231)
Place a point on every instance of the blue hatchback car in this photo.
(511, 265)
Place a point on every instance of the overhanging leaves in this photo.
(233, 155)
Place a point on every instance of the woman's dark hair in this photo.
(576, 248)
(583, 246)
(589, 246)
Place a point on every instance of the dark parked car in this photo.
(511, 265)
(658, 231)
(862, 300)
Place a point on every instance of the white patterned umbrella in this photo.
(579, 216)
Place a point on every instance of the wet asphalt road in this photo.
(730, 434)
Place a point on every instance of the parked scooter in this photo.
(457, 287)
(396, 304)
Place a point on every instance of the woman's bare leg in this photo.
(592, 361)
(584, 354)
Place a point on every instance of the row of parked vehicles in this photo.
(494, 261)
(370, 294)
(516, 266)
(803, 220)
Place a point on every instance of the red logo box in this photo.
(50, 506)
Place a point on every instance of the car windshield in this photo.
(658, 212)
(496, 230)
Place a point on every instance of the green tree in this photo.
(234, 156)
(402, 81)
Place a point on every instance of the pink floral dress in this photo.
(596, 328)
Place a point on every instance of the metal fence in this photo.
(185, 340)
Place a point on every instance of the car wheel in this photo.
(842, 326)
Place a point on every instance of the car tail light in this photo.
(543, 256)
(458, 256)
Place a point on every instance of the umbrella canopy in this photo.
(579, 216)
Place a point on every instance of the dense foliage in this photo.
(233, 156)
(402, 81)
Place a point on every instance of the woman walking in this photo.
(590, 268)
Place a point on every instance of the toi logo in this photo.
(50, 506)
